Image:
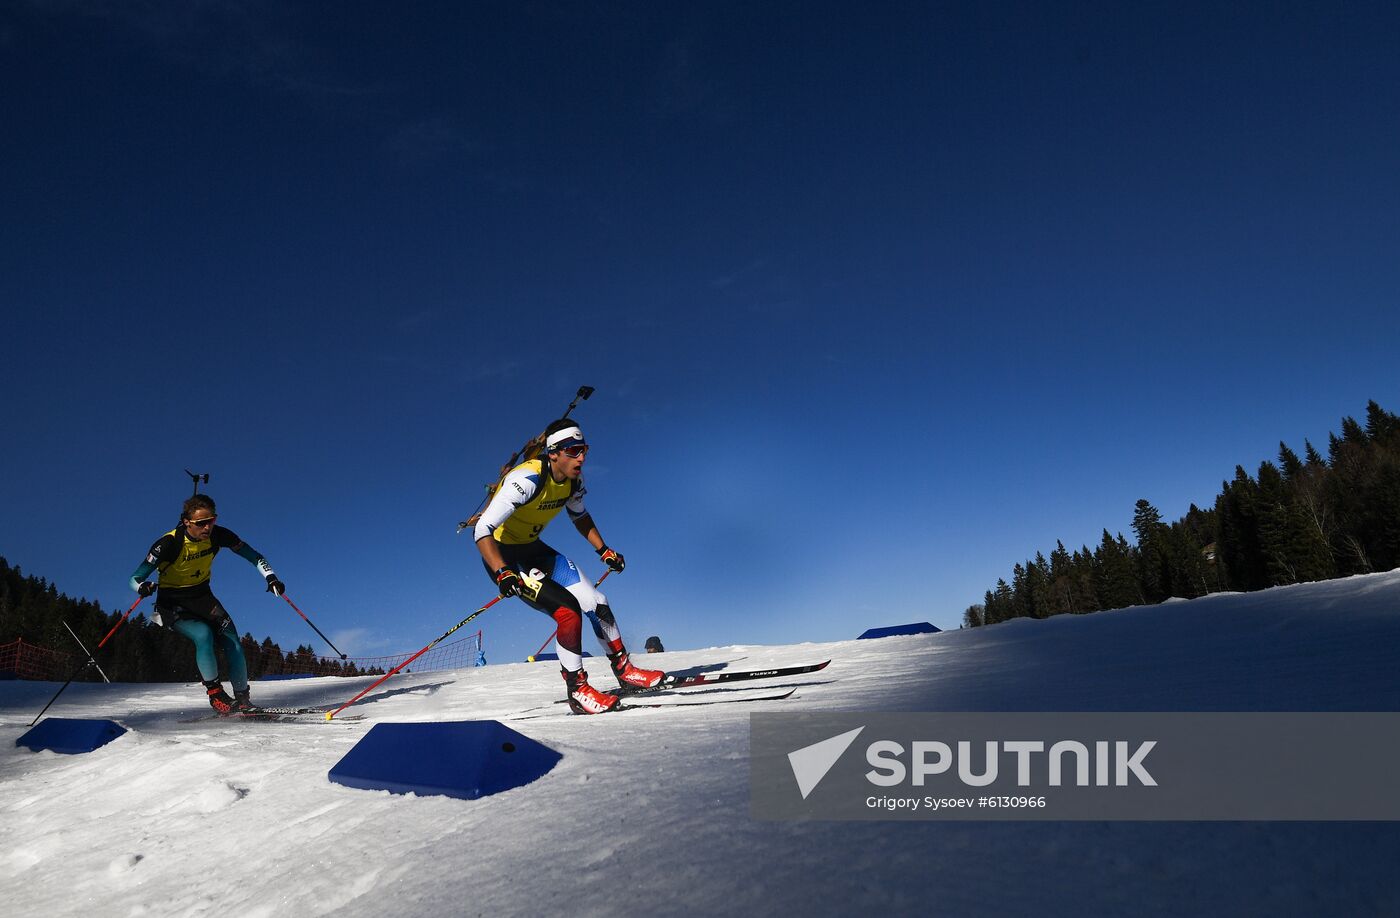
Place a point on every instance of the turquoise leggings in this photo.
(204, 638)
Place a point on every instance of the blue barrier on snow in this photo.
(70, 735)
(466, 759)
(896, 630)
(550, 656)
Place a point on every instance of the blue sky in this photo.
(877, 302)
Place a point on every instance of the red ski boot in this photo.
(633, 678)
(218, 698)
(584, 698)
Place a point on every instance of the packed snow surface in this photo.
(648, 811)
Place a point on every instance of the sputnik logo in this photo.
(811, 763)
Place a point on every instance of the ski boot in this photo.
(584, 698)
(633, 678)
(218, 698)
(242, 705)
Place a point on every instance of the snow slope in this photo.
(649, 810)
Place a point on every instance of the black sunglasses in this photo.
(204, 522)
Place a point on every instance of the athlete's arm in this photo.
(162, 552)
(224, 538)
(582, 519)
(515, 491)
(589, 531)
(490, 552)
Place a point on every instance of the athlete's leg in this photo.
(591, 602)
(561, 605)
(544, 566)
(594, 604)
(227, 639)
(202, 636)
(554, 573)
(224, 634)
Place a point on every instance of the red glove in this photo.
(612, 559)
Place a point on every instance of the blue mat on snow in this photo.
(70, 735)
(896, 630)
(466, 759)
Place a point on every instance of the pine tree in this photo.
(1042, 591)
(1314, 458)
(1062, 587)
(1153, 559)
(1239, 551)
(1348, 483)
(1021, 589)
(1186, 561)
(1353, 433)
(1275, 534)
(1382, 519)
(1382, 427)
(1005, 603)
(272, 658)
(1290, 463)
(1116, 574)
(1085, 580)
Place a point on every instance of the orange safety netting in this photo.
(457, 655)
(30, 661)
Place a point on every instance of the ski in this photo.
(692, 702)
(676, 682)
(649, 705)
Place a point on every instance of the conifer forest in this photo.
(1302, 518)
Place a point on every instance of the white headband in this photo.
(563, 436)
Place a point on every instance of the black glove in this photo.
(146, 589)
(508, 582)
(612, 559)
(275, 586)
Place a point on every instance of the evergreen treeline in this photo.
(1304, 518)
(34, 610)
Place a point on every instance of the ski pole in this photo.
(312, 624)
(545, 644)
(384, 678)
(90, 658)
(530, 586)
(91, 661)
(119, 622)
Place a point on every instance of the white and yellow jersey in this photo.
(526, 501)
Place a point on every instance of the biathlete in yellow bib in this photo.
(508, 536)
(186, 604)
